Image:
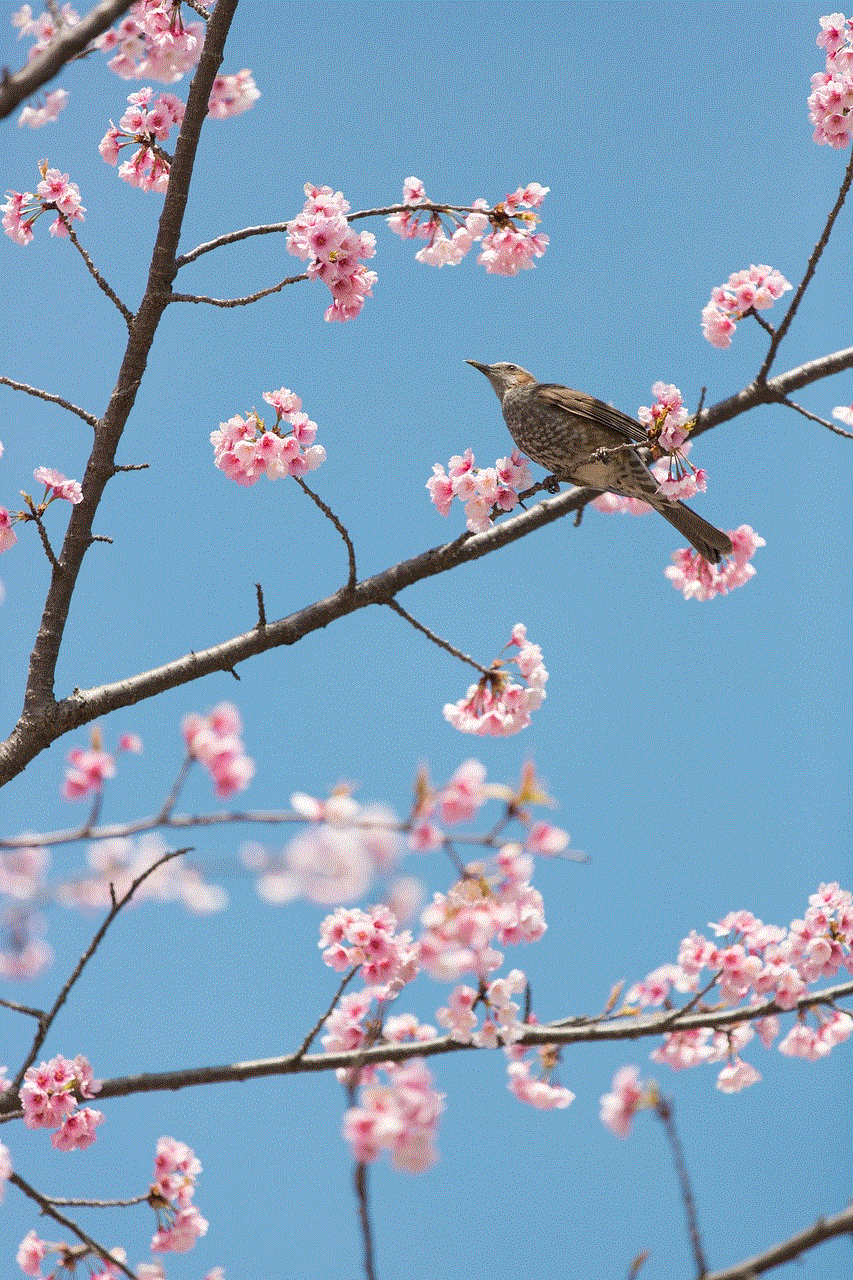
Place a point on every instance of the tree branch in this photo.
(47, 64)
(581, 1030)
(788, 1250)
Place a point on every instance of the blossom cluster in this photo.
(175, 1171)
(49, 1097)
(628, 1095)
(148, 121)
(667, 423)
(757, 962)
(51, 105)
(351, 937)
(53, 192)
(753, 289)
(696, 579)
(335, 858)
(506, 249)
(46, 27)
(33, 1250)
(480, 489)
(497, 705)
(400, 1117)
(58, 486)
(216, 740)
(461, 926)
(90, 767)
(151, 42)
(501, 1024)
(531, 1077)
(322, 234)
(245, 449)
(831, 100)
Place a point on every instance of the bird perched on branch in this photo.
(581, 439)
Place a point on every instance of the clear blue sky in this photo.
(700, 752)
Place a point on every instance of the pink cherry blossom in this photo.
(757, 287)
(8, 537)
(53, 104)
(152, 42)
(496, 705)
(5, 1169)
(737, 1075)
(49, 1098)
(530, 1077)
(691, 573)
(831, 100)
(232, 95)
(400, 1117)
(844, 413)
(215, 740)
(627, 1096)
(88, 772)
(245, 449)
(508, 248)
(322, 234)
(58, 486)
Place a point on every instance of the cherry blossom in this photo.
(216, 741)
(628, 1095)
(400, 1117)
(152, 42)
(755, 288)
(49, 1097)
(481, 490)
(175, 1172)
(245, 449)
(53, 192)
(508, 248)
(322, 234)
(8, 537)
(696, 579)
(831, 100)
(232, 95)
(148, 121)
(58, 486)
(497, 705)
(53, 104)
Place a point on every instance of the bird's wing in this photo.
(604, 415)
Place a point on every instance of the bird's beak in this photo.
(484, 368)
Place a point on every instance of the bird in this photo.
(564, 430)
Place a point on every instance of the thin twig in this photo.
(664, 1111)
(792, 404)
(172, 798)
(789, 1250)
(46, 1022)
(312, 1034)
(52, 399)
(262, 612)
(48, 1209)
(237, 302)
(97, 1204)
(807, 278)
(127, 314)
(330, 515)
(442, 644)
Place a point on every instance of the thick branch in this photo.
(570, 1031)
(101, 465)
(72, 40)
(44, 720)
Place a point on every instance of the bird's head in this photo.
(503, 375)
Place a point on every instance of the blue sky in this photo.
(699, 752)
